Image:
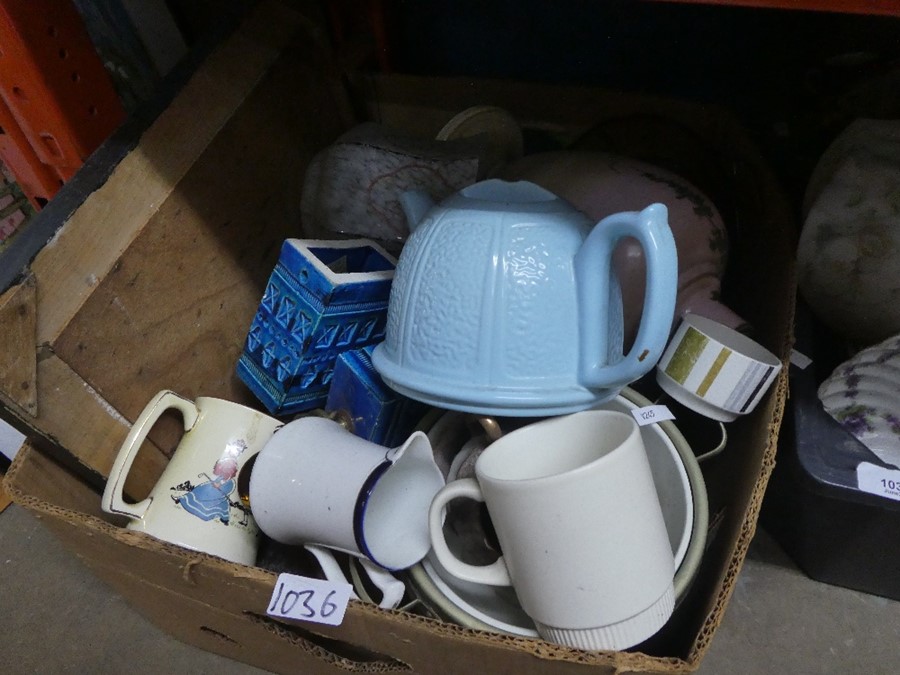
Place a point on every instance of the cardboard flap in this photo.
(18, 369)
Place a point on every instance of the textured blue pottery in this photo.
(377, 412)
(505, 302)
(323, 298)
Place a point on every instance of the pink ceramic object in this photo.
(600, 184)
(352, 187)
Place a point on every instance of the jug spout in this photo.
(416, 447)
(415, 203)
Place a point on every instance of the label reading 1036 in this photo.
(878, 481)
(307, 599)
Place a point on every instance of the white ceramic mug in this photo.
(317, 483)
(715, 370)
(577, 516)
(195, 502)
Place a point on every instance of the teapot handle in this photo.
(593, 264)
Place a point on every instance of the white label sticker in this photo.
(651, 414)
(802, 361)
(879, 481)
(307, 599)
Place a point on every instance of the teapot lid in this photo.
(501, 195)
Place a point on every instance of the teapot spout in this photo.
(415, 203)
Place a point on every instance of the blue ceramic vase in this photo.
(323, 298)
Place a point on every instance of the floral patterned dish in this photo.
(863, 395)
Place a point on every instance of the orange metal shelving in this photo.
(873, 7)
(58, 101)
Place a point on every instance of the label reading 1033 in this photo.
(651, 414)
(802, 361)
(307, 599)
(878, 481)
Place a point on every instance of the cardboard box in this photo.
(153, 281)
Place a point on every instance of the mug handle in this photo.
(594, 261)
(113, 498)
(494, 574)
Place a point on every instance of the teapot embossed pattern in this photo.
(505, 301)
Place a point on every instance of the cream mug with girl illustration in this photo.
(195, 503)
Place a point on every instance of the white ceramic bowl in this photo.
(715, 370)
(682, 494)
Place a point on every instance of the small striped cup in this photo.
(715, 370)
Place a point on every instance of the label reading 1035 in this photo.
(878, 480)
(651, 414)
(307, 599)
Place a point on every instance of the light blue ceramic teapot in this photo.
(504, 302)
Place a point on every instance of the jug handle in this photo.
(593, 266)
(113, 497)
(392, 589)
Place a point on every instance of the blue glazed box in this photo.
(323, 298)
(377, 412)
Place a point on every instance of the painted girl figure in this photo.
(210, 499)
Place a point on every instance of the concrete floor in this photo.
(56, 617)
